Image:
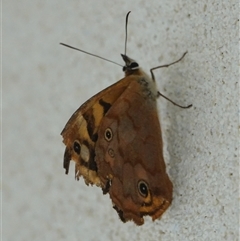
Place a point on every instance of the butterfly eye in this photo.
(134, 65)
(77, 147)
(143, 188)
(108, 134)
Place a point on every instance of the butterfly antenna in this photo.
(125, 50)
(71, 47)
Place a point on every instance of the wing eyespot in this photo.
(143, 188)
(108, 135)
(111, 152)
(77, 147)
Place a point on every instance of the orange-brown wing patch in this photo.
(132, 159)
(81, 132)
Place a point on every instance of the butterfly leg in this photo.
(184, 107)
(166, 65)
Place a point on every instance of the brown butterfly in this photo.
(116, 142)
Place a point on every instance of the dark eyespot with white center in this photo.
(108, 134)
(77, 147)
(143, 188)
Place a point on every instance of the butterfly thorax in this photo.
(148, 85)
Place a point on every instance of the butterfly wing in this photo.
(129, 155)
(81, 132)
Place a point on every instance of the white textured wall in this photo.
(44, 83)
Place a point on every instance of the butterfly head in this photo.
(130, 65)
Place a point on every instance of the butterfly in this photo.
(115, 140)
